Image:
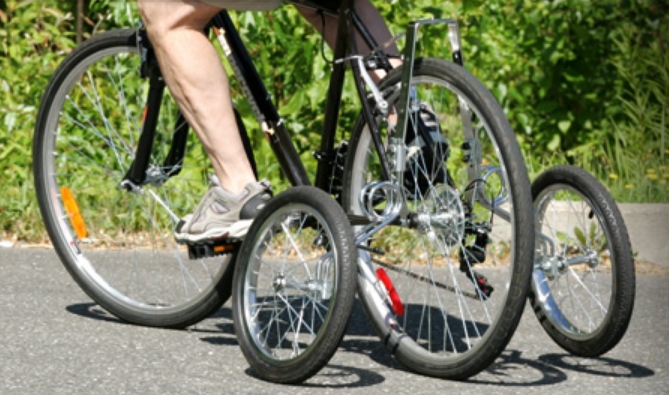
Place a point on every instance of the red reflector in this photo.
(398, 306)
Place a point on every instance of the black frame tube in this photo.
(279, 138)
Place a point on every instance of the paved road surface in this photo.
(54, 340)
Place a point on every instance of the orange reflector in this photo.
(73, 212)
(224, 248)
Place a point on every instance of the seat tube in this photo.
(407, 77)
(335, 90)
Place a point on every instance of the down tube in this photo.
(260, 100)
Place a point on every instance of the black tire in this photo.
(123, 254)
(289, 316)
(449, 328)
(583, 284)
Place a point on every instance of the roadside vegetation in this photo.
(582, 82)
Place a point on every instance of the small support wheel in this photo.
(294, 285)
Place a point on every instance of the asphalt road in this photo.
(54, 340)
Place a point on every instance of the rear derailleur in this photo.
(475, 253)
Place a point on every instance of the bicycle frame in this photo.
(345, 54)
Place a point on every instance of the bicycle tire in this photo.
(583, 286)
(118, 245)
(294, 285)
(438, 331)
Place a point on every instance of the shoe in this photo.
(426, 160)
(222, 215)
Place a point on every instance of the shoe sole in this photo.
(236, 231)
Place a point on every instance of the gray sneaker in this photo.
(221, 215)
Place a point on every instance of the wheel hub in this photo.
(592, 259)
(279, 283)
(553, 267)
(443, 216)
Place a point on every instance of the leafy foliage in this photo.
(581, 81)
(635, 151)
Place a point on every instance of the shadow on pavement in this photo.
(510, 369)
(601, 366)
(92, 310)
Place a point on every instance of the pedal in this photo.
(212, 248)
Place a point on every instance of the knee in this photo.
(163, 17)
(150, 13)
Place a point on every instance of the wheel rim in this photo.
(127, 251)
(445, 317)
(290, 283)
(573, 280)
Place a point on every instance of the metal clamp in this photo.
(381, 103)
(371, 195)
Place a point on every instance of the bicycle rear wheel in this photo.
(118, 244)
(583, 283)
(453, 275)
(294, 285)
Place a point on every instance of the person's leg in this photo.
(193, 71)
(372, 19)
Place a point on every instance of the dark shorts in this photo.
(245, 5)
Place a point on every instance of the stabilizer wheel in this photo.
(583, 281)
(294, 285)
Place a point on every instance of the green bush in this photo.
(581, 81)
(635, 153)
(35, 35)
(33, 43)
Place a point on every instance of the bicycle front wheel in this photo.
(118, 244)
(583, 283)
(453, 272)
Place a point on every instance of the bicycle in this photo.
(438, 201)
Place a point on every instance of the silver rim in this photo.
(445, 317)
(127, 250)
(290, 282)
(573, 279)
